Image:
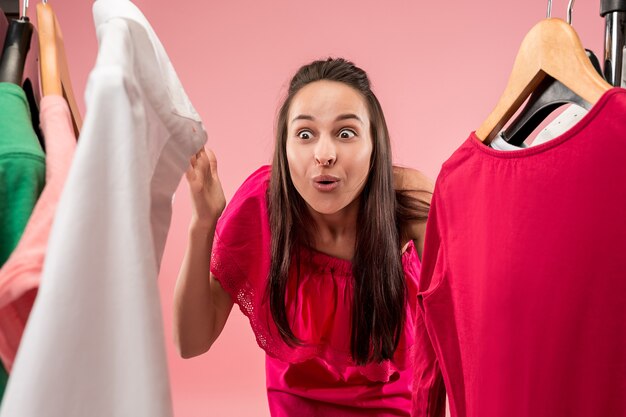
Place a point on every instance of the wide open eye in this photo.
(305, 134)
(347, 133)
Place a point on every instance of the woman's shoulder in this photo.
(251, 193)
(255, 185)
(413, 181)
(241, 246)
(242, 230)
(258, 180)
(419, 188)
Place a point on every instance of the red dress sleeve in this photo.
(240, 259)
(429, 393)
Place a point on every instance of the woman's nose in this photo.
(325, 152)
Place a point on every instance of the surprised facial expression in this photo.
(329, 146)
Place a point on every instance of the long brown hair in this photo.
(379, 299)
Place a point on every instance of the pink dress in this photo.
(318, 378)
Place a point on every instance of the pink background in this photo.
(437, 67)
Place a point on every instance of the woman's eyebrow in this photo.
(303, 117)
(349, 116)
(346, 116)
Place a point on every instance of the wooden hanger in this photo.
(55, 79)
(552, 48)
(547, 97)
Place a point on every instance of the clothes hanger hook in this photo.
(24, 9)
(549, 12)
(570, 8)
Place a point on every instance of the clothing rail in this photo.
(614, 12)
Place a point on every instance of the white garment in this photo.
(561, 124)
(500, 144)
(94, 343)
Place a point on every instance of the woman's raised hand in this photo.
(207, 196)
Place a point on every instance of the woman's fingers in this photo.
(203, 165)
(206, 163)
(194, 165)
(190, 173)
(206, 190)
(212, 162)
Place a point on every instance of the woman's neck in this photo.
(335, 234)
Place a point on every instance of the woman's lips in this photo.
(325, 182)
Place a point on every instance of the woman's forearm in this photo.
(194, 309)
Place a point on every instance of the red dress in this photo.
(318, 378)
(524, 279)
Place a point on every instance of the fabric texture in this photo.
(20, 275)
(22, 177)
(97, 317)
(319, 377)
(522, 286)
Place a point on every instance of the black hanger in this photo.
(15, 49)
(4, 25)
(547, 97)
(19, 67)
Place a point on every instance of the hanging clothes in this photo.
(22, 167)
(20, 275)
(22, 175)
(4, 378)
(562, 123)
(522, 286)
(97, 322)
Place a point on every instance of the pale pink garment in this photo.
(318, 378)
(19, 276)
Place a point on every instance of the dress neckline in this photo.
(585, 123)
(340, 266)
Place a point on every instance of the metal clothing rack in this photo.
(614, 13)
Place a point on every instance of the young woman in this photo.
(320, 250)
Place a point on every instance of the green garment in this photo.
(22, 167)
(22, 174)
(4, 377)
